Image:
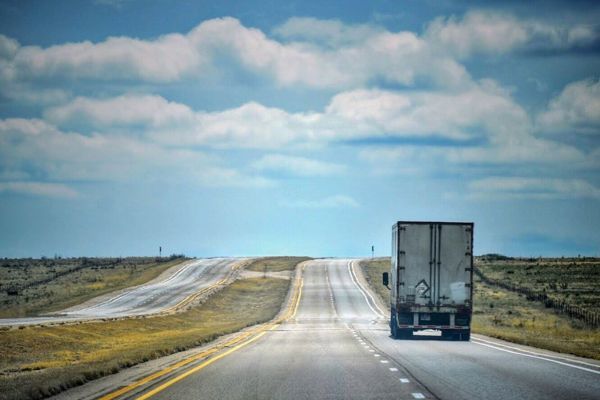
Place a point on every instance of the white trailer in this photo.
(431, 278)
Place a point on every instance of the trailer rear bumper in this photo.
(453, 326)
(440, 327)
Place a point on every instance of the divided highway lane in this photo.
(167, 292)
(313, 356)
(338, 347)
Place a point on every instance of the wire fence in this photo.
(589, 317)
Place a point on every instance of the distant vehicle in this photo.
(431, 278)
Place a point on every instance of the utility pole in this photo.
(372, 251)
(159, 251)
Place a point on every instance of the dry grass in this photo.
(509, 316)
(373, 270)
(39, 361)
(573, 280)
(46, 285)
(275, 264)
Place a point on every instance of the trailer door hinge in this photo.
(468, 269)
(467, 285)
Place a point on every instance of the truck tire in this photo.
(404, 334)
(394, 325)
(446, 335)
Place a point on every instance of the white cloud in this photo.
(482, 110)
(337, 201)
(455, 115)
(496, 33)
(483, 113)
(299, 166)
(476, 32)
(118, 4)
(35, 145)
(125, 110)
(314, 53)
(39, 189)
(165, 59)
(331, 33)
(575, 110)
(400, 57)
(8, 47)
(502, 188)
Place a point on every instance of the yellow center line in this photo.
(197, 368)
(254, 335)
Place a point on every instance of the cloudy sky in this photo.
(272, 127)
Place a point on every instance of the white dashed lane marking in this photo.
(418, 395)
(393, 369)
(384, 361)
(404, 380)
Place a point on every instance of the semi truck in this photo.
(431, 278)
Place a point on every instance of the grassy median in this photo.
(36, 362)
(275, 264)
(510, 316)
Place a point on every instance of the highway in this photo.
(338, 347)
(172, 289)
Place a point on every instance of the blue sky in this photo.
(301, 128)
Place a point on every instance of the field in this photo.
(572, 280)
(511, 316)
(38, 361)
(30, 287)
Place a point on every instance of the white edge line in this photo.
(355, 281)
(540, 358)
(538, 354)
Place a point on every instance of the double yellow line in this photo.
(238, 342)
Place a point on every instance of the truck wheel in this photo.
(404, 334)
(394, 326)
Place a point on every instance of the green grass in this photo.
(506, 315)
(39, 361)
(275, 264)
(373, 271)
(46, 285)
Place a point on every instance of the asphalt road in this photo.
(338, 347)
(167, 291)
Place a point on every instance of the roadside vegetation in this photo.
(373, 270)
(512, 316)
(31, 287)
(573, 281)
(36, 362)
